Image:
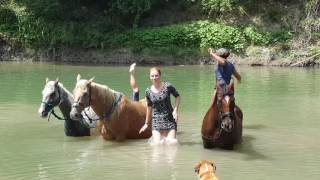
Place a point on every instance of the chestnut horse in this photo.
(122, 118)
(55, 94)
(222, 128)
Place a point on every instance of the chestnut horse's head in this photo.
(82, 97)
(226, 113)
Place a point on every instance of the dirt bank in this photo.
(126, 56)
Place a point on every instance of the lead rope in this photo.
(55, 115)
(52, 111)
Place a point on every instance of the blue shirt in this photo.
(224, 72)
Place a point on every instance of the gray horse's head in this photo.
(51, 97)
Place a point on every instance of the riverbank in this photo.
(255, 56)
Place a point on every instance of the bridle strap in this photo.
(53, 105)
(107, 115)
(90, 95)
(55, 115)
(87, 115)
(81, 104)
(115, 103)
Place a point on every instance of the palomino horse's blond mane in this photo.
(105, 93)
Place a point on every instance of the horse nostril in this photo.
(78, 116)
(44, 113)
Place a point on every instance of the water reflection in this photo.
(164, 154)
(42, 171)
(161, 162)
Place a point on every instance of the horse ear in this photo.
(47, 80)
(78, 77)
(56, 82)
(91, 80)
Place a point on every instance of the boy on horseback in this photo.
(224, 71)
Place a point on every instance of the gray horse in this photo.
(54, 94)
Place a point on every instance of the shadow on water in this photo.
(190, 140)
(190, 143)
(246, 147)
(255, 126)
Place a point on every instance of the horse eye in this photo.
(85, 94)
(52, 95)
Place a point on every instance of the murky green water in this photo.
(281, 127)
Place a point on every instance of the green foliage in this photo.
(217, 7)
(220, 35)
(200, 34)
(281, 36)
(49, 9)
(7, 16)
(132, 10)
(173, 51)
(314, 51)
(254, 37)
(40, 25)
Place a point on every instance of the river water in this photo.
(280, 135)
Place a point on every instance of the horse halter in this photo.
(222, 115)
(49, 106)
(227, 127)
(80, 105)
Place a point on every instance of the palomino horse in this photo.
(222, 128)
(54, 94)
(122, 118)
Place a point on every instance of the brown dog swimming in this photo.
(206, 170)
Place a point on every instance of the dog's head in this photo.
(204, 166)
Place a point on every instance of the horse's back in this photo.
(135, 114)
(209, 127)
(208, 121)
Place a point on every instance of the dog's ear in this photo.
(197, 168)
(214, 166)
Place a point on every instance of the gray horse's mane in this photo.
(64, 91)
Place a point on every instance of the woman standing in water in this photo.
(159, 109)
